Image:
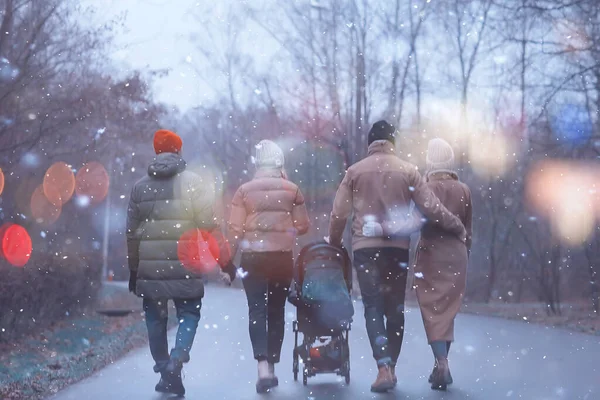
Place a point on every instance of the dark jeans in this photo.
(267, 285)
(382, 274)
(188, 314)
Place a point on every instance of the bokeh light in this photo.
(45, 209)
(572, 124)
(566, 193)
(92, 181)
(490, 146)
(25, 186)
(16, 244)
(198, 251)
(1, 181)
(490, 154)
(59, 179)
(571, 36)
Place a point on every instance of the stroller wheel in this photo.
(347, 376)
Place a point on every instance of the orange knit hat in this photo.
(167, 142)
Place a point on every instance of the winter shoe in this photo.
(172, 375)
(384, 381)
(163, 385)
(433, 372)
(272, 373)
(265, 379)
(441, 376)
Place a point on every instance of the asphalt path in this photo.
(491, 359)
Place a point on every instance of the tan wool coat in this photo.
(380, 187)
(267, 214)
(441, 260)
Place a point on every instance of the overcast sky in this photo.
(157, 36)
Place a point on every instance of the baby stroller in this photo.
(324, 310)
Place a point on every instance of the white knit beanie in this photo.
(440, 155)
(268, 154)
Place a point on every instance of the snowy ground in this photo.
(492, 359)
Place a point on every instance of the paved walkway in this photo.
(492, 359)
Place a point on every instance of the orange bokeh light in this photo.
(45, 209)
(16, 244)
(59, 179)
(566, 193)
(1, 181)
(198, 251)
(92, 181)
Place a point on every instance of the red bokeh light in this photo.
(92, 181)
(59, 179)
(198, 251)
(16, 244)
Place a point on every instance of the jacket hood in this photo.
(166, 165)
(442, 174)
(382, 146)
(270, 173)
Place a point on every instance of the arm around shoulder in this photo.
(432, 208)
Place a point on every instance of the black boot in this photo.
(173, 377)
(163, 385)
(432, 373)
(441, 375)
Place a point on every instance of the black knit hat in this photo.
(382, 130)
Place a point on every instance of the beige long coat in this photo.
(441, 260)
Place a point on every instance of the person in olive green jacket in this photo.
(171, 211)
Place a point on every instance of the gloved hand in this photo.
(229, 270)
(132, 281)
(225, 278)
(372, 229)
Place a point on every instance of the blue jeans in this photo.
(188, 315)
(382, 274)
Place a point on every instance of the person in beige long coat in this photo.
(267, 214)
(441, 260)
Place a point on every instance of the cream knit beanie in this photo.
(440, 155)
(269, 155)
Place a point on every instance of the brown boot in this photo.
(393, 371)
(441, 375)
(384, 381)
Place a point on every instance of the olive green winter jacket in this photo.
(164, 205)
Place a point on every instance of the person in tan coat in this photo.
(377, 192)
(267, 215)
(441, 260)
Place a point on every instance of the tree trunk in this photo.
(6, 25)
(594, 288)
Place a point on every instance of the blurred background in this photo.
(514, 85)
